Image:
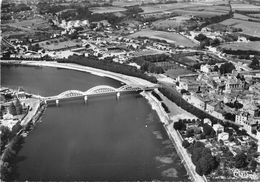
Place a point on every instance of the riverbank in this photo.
(8, 160)
(117, 76)
(174, 136)
(155, 104)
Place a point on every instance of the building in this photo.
(233, 84)
(205, 68)
(207, 121)
(218, 128)
(224, 136)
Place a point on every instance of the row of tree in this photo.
(109, 65)
(178, 100)
(147, 62)
(15, 108)
(205, 41)
(8, 157)
(201, 157)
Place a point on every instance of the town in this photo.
(203, 54)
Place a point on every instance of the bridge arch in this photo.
(101, 89)
(70, 93)
(129, 88)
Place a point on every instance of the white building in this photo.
(205, 68)
(223, 136)
(218, 128)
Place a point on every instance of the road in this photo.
(34, 104)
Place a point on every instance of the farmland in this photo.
(246, 18)
(112, 9)
(166, 7)
(192, 9)
(177, 71)
(254, 15)
(170, 37)
(58, 44)
(125, 3)
(254, 46)
(170, 22)
(249, 28)
(245, 7)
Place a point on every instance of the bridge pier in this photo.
(85, 99)
(57, 102)
(117, 95)
(45, 101)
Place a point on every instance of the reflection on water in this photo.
(104, 139)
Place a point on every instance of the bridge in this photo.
(97, 91)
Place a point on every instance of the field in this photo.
(175, 72)
(254, 15)
(36, 24)
(109, 9)
(170, 37)
(245, 7)
(194, 9)
(246, 18)
(124, 3)
(249, 28)
(254, 46)
(56, 44)
(170, 22)
(145, 52)
(166, 7)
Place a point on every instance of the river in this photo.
(104, 139)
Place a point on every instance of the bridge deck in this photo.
(97, 91)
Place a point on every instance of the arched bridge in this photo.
(98, 91)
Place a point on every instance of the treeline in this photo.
(154, 39)
(179, 101)
(156, 96)
(216, 19)
(76, 12)
(239, 52)
(109, 65)
(147, 62)
(202, 158)
(166, 109)
(8, 157)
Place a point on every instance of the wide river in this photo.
(104, 139)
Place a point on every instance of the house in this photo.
(218, 128)
(21, 95)
(191, 85)
(224, 136)
(205, 68)
(241, 118)
(8, 116)
(233, 84)
(207, 121)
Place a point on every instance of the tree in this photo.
(255, 63)
(196, 155)
(200, 37)
(240, 160)
(5, 135)
(18, 107)
(215, 68)
(253, 165)
(185, 144)
(12, 109)
(190, 133)
(215, 42)
(8, 154)
(179, 125)
(207, 129)
(5, 171)
(227, 68)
